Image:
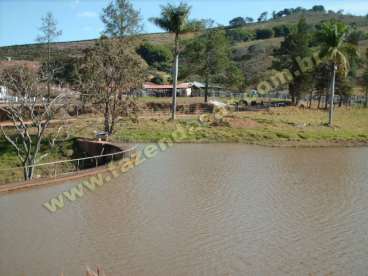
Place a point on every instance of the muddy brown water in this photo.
(202, 210)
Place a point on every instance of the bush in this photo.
(239, 35)
(65, 69)
(157, 56)
(264, 33)
(356, 36)
(281, 30)
(157, 79)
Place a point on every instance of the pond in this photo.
(217, 209)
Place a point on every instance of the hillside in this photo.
(254, 57)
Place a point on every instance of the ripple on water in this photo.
(202, 210)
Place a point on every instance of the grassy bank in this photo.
(277, 127)
(281, 126)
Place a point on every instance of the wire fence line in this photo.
(64, 167)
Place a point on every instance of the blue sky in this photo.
(79, 19)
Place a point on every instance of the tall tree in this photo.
(263, 17)
(249, 20)
(237, 22)
(121, 19)
(336, 51)
(294, 48)
(209, 56)
(49, 32)
(111, 70)
(174, 19)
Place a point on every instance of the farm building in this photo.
(165, 90)
(188, 89)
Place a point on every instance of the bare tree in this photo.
(121, 19)
(111, 70)
(30, 114)
(49, 33)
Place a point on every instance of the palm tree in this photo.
(337, 51)
(174, 19)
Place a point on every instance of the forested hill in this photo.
(252, 44)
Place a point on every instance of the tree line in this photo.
(335, 47)
(264, 16)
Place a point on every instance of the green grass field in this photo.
(282, 126)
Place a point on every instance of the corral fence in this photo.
(64, 167)
(15, 100)
(197, 109)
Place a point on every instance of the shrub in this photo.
(157, 56)
(356, 36)
(238, 35)
(264, 33)
(281, 30)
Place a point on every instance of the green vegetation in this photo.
(49, 33)
(294, 48)
(309, 52)
(209, 57)
(239, 35)
(287, 126)
(111, 68)
(9, 161)
(264, 33)
(174, 19)
(337, 52)
(121, 19)
(281, 30)
(158, 56)
(254, 57)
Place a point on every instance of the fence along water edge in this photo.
(64, 167)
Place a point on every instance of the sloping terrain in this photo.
(253, 57)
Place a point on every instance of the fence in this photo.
(63, 167)
(15, 100)
(181, 109)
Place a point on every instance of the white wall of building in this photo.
(3, 92)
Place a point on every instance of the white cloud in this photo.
(87, 14)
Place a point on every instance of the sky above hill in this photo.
(80, 19)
